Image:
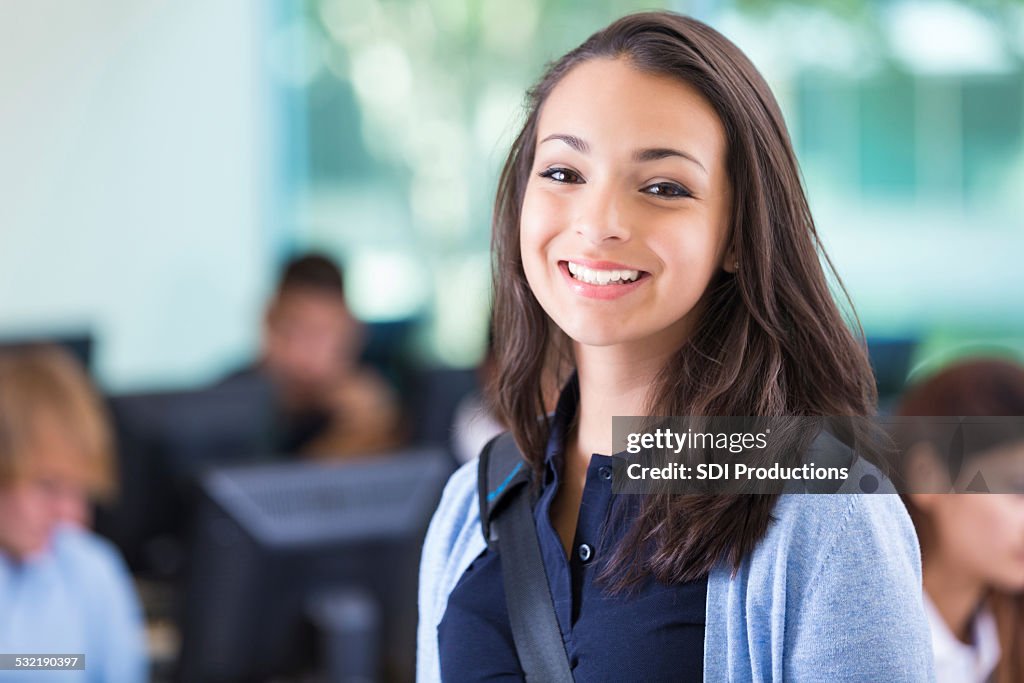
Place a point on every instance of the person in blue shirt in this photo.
(654, 255)
(63, 589)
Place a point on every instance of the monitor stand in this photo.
(348, 623)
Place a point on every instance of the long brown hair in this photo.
(771, 341)
(982, 387)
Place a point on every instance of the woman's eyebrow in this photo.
(640, 156)
(578, 144)
(655, 153)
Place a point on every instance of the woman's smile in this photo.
(602, 280)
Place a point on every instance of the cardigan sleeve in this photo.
(861, 614)
(453, 539)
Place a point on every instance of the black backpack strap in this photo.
(501, 472)
(507, 516)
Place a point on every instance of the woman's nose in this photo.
(601, 216)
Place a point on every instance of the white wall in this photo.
(133, 179)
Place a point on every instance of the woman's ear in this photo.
(730, 261)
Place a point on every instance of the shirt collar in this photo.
(957, 659)
(561, 423)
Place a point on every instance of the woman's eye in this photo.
(562, 175)
(669, 190)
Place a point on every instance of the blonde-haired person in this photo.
(63, 590)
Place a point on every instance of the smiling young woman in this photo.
(654, 255)
(633, 188)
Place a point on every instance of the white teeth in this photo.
(602, 277)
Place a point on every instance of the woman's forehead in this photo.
(611, 106)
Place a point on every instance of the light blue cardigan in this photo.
(832, 592)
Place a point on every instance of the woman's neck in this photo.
(956, 597)
(612, 381)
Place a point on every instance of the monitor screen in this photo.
(165, 441)
(309, 567)
(79, 345)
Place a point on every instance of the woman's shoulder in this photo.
(814, 533)
(823, 536)
(459, 504)
(98, 577)
(454, 536)
(94, 565)
(837, 577)
(816, 519)
(453, 539)
(822, 532)
(88, 553)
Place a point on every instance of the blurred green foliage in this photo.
(908, 118)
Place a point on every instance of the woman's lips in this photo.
(612, 290)
(600, 265)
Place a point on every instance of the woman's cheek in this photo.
(989, 526)
(538, 227)
(1006, 515)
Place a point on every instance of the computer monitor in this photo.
(304, 567)
(78, 344)
(165, 441)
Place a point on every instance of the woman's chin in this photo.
(602, 335)
(28, 550)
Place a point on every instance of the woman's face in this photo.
(310, 339)
(625, 217)
(981, 535)
(52, 492)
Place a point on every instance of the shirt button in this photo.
(605, 473)
(585, 552)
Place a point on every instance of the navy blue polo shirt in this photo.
(655, 633)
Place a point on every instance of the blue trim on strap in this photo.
(501, 487)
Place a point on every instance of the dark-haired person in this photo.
(331, 405)
(972, 544)
(655, 255)
(63, 589)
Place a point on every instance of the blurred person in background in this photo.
(331, 405)
(972, 545)
(63, 589)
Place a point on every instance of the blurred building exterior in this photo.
(171, 154)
